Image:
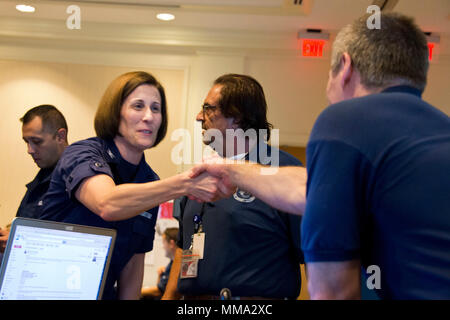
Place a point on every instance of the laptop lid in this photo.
(48, 260)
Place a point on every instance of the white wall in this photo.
(437, 91)
(295, 93)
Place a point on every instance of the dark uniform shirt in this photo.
(378, 191)
(85, 159)
(32, 202)
(250, 248)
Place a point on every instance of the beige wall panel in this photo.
(295, 93)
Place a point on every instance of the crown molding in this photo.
(186, 40)
(107, 37)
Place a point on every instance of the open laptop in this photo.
(46, 260)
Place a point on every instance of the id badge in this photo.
(189, 264)
(198, 244)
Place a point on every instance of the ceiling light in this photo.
(25, 8)
(165, 16)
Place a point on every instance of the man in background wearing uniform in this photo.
(237, 247)
(44, 130)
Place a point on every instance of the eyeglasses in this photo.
(207, 107)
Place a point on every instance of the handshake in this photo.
(213, 180)
(281, 188)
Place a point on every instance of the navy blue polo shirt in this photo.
(378, 190)
(32, 202)
(85, 159)
(250, 248)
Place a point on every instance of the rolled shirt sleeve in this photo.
(79, 162)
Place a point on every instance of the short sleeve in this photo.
(81, 161)
(293, 222)
(336, 201)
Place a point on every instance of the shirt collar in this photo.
(404, 89)
(144, 171)
(238, 156)
(241, 156)
(260, 157)
(43, 176)
(114, 155)
(112, 151)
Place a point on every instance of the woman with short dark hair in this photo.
(106, 182)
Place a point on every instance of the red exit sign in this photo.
(430, 50)
(312, 47)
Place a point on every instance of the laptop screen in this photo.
(50, 263)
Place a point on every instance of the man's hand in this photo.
(203, 187)
(220, 171)
(4, 234)
(284, 189)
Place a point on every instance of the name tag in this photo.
(146, 214)
(198, 244)
(189, 265)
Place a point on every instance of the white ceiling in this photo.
(259, 15)
(246, 25)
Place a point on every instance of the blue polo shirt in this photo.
(378, 190)
(85, 159)
(250, 248)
